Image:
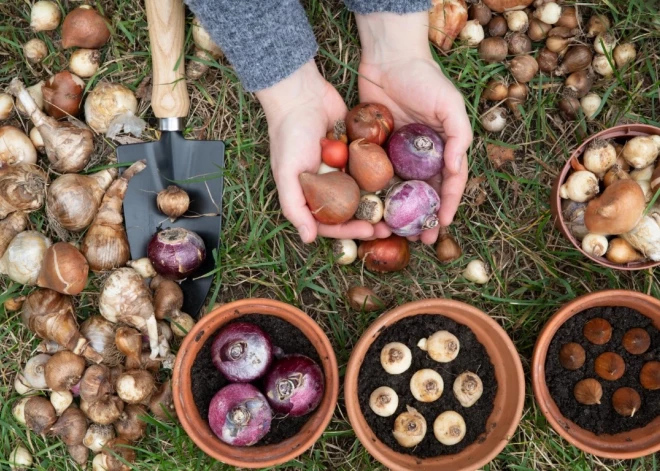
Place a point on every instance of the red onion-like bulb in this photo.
(239, 415)
(242, 352)
(411, 207)
(176, 253)
(295, 385)
(416, 152)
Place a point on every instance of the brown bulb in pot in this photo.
(568, 18)
(572, 356)
(481, 13)
(649, 377)
(588, 392)
(519, 43)
(547, 60)
(597, 331)
(538, 30)
(609, 366)
(493, 50)
(626, 401)
(497, 27)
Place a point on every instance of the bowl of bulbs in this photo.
(602, 199)
(434, 384)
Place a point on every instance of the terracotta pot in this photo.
(623, 131)
(626, 445)
(198, 429)
(509, 399)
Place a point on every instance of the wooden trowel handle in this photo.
(166, 19)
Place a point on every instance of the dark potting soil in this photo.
(602, 418)
(207, 380)
(472, 356)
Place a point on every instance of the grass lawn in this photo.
(504, 220)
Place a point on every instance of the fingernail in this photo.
(304, 233)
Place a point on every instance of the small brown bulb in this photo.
(588, 392)
(481, 13)
(636, 341)
(609, 366)
(626, 401)
(572, 356)
(173, 202)
(497, 26)
(649, 377)
(519, 43)
(598, 331)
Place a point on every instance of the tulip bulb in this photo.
(446, 20)
(442, 346)
(449, 428)
(472, 33)
(517, 20)
(476, 272)
(395, 358)
(384, 401)
(548, 13)
(409, 428)
(84, 27)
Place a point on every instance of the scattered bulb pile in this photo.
(426, 386)
(605, 199)
(543, 37)
(293, 385)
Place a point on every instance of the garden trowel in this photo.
(193, 165)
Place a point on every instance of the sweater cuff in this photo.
(265, 42)
(364, 7)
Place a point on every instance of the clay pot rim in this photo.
(622, 130)
(542, 395)
(433, 306)
(182, 393)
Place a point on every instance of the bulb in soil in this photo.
(395, 358)
(636, 341)
(442, 346)
(572, 356)
(597, 331)
(626, 401)
(649, 377)
(409, 428)
(449, 428)
(426, 385)
(468, 388)
(588, 392)
(609, 366)
(384, 401)
(345, 251)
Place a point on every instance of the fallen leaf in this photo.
(474, 185)
(144, 89)
(500, 155)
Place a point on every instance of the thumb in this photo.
(294, 205)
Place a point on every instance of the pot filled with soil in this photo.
(255, 383)
(434, 384)
(601, 199)
(596, 373)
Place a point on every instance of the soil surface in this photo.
(472, 357)
(207, 380)
(602, 418)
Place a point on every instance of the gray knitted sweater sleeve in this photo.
(267, 40)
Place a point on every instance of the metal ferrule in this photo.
(171, 124)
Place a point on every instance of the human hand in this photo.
(300, 110)
(398, 71)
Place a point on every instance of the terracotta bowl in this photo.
(509, 399)
(198, 429)
(617, 132)
(626, 445)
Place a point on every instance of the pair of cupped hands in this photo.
(398, 72)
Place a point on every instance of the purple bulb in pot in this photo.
(239, 414)
(411, 207)
(295, 385)
(416, 152)
(242, 352)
